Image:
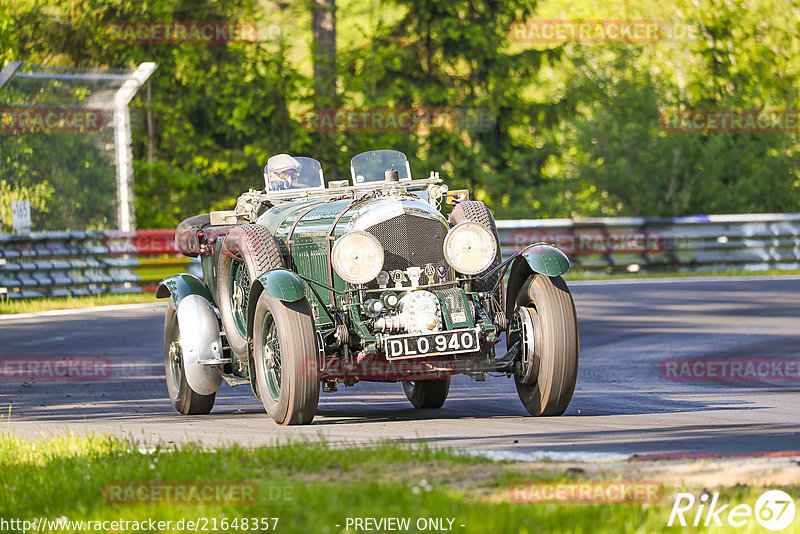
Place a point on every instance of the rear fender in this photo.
(180, 286)
(200, 340)
(200, 336)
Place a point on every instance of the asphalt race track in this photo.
(622, 403)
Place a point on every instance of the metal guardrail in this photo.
(96, 262)
(703, 243)
(60, 264)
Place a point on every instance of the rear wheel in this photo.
(427, 393)
(546, 326)
(249, 250)
(286, 359)
(183, 398)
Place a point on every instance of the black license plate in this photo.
(436, 344)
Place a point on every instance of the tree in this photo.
(323, 26)
(457, 55)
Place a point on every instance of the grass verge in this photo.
(68, 303)
(155, 269)
(309, 487)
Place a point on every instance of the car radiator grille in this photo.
(409, 240)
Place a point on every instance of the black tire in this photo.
(256, 251)
(476, 211)
(284, 334)
(548, 389)
(183, 398)
(186, 238)
(427, 393)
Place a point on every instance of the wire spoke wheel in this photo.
(286, 359)
(239, 295)
(271, 361)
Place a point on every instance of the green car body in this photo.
(415, 318)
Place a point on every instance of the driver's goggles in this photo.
(289, 175)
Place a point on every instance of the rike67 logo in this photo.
(774, 510)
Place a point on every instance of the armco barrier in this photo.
(84, 263)
(58, 264)
(677, 244)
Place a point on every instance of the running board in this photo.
(219, 361)
(233, 380)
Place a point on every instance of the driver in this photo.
(282, 172)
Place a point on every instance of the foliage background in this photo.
(577, 131)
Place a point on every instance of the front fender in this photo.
(180, 286)
(283, 285)
(278, 283)
(538, 258)
(545, 259)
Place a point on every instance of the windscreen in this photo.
(371, 166)
(308, 177)
(310, 174)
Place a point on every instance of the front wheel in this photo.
(183, 398)
(286, 359)
(427, 393)
(546, 326)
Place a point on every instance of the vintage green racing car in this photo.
(308, 286)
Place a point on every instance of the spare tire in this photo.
(248, 251)
(476, 211)
(186, 234)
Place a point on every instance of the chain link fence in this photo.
(65, 147)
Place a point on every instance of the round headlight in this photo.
(357, 257)
(469, 248)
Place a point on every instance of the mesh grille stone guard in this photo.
(410, 240)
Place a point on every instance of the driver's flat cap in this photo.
(282, 162)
